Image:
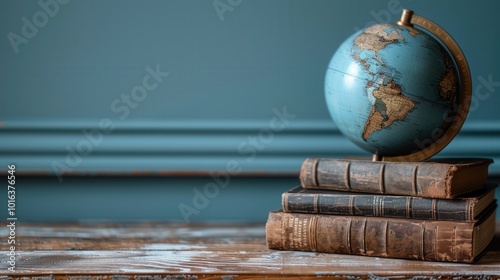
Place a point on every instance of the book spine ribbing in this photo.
(415, 179)
(368, 236)
(378, 206)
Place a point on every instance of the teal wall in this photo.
(240, 88)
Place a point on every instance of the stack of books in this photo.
(440, 210)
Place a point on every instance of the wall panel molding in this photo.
(64, 148)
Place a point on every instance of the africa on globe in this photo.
(395, 90)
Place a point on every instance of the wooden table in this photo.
(201, 251)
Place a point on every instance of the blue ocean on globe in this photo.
(391, 88)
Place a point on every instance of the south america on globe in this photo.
(394, 90)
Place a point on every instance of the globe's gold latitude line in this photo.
(408, 18)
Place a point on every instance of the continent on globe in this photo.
(390, 105)
(376, 38)
(448, 83)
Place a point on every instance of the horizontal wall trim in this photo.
(198, 147)
(159, 126)
(475, 126)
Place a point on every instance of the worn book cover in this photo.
(449, 241)
(465, 208)
(438, 178)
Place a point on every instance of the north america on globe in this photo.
(389, 86)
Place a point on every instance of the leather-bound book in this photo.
(449, 241)
(465, 208)
(441, 178)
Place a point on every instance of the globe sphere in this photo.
(392, 90)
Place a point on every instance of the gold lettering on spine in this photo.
(296, 232)
(299, 233)
(304, 232)
(290, 232)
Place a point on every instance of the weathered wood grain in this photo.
(203, 251)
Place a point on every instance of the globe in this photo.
(394, 90)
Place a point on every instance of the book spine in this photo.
(378, 206)
(368, 236)
(414, 179)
